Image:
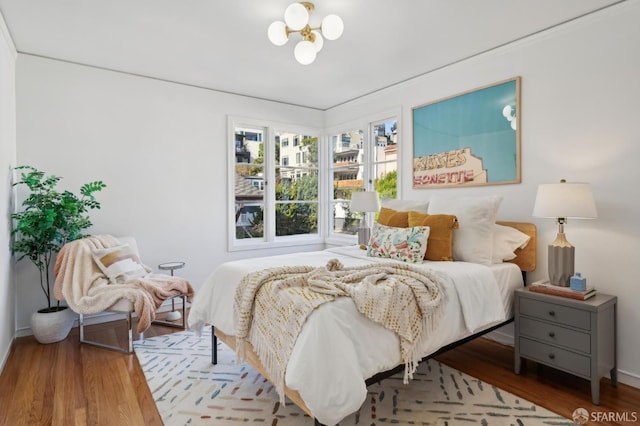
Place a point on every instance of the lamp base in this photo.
(364, 233)
(561, 265)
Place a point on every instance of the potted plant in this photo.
(48, 220)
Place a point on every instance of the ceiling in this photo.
(223, 45)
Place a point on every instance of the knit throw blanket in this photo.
(80, 282)
(272, 305)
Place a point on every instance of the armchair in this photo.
(104, 274)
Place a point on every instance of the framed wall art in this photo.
(472, 138)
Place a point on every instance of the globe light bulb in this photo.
(277, 33)
(296, 16)
(332, 27)
(305, 52)
(319, 41)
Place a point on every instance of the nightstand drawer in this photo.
(555, 313)
(555, 357)
(555, 334)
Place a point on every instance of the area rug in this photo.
(189, 390)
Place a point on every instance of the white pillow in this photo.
(119, 263)
(473, 240)
(405, 205)
(506, 240)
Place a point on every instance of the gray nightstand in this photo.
(575, 336)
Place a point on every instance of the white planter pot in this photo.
(50, 327)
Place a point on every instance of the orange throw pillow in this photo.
(395, 218)
(440, 242)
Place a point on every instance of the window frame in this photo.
(369, 163)
(270, 239)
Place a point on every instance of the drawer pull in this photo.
(552, 334)
(552, 356)
(552, 313)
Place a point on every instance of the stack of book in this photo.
(547, 288)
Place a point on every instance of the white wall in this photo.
(7, 162)
(160, 147)
(580, 95)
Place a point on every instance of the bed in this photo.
(339, 351)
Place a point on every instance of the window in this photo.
(348, 176)
(385, 158)
(362, 160)
(248, 181)
(275, 202)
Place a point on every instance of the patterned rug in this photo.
(189, 390)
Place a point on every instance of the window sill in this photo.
(292, 241)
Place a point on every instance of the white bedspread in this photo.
(339, 348)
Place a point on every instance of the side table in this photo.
(172, 266)
(575, 336)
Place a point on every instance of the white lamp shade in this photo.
(296, 16)
(305, 52)
(332, 27)
(319, 42)
(366, 201)
(565, 200)
(277, 33)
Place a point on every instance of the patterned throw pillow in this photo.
(119, 263)
(406, 244)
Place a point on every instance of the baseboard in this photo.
(504, 335)
(501, 336)
(5, 356)
(630, 379)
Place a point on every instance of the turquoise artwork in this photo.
(469, 139)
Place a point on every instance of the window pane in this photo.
(300, 150)
(345, 180)
(385, 137)
(296, 183)
(249, 145)
(249, 203)
(344, 220)
(249, 220)
(348, 176)
(347, 148)
(385, 158)
(386, 180)
(249, 182)
(296, 218)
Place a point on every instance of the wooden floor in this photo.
(71, 384)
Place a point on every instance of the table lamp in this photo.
(365, 202)
(562, 201)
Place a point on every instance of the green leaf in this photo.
(49, 219)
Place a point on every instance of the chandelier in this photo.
(296, 20)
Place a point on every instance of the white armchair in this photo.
(104, 274)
